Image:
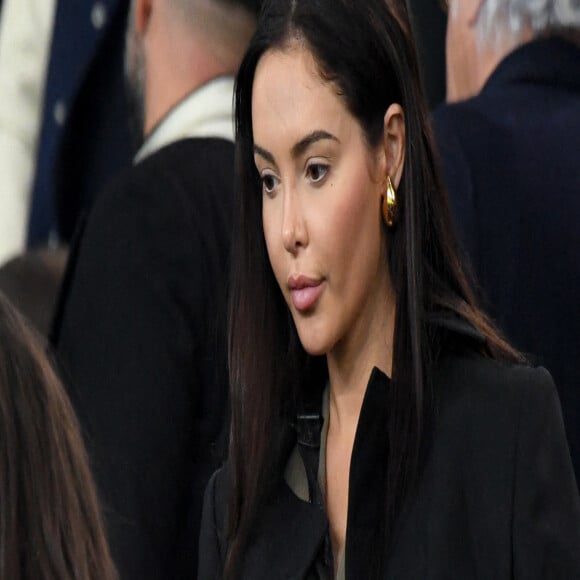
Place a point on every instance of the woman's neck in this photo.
(350, 365)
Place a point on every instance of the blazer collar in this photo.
(454, 324)
(293, 552)
(552, 61)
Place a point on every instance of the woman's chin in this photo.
(314, 344)
(316, 351)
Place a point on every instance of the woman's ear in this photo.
(141, 14)
(394, 143)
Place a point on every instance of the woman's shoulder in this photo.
(493, 400)
(478, 376)
(463, 373)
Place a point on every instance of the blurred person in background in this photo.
(64, 131)
(84, 137)
(25, 33)
(510, 144)
(50, 524)
(63, 115)
(140, 327)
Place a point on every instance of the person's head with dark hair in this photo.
(50, 522)
(344, 247)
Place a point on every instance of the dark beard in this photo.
(135, 86)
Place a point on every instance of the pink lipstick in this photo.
(304, 291)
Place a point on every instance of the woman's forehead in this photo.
(288, 89)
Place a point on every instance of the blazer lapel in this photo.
(289, 549)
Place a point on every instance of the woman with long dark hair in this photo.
(50, 523)
(381, 427)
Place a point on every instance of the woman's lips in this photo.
(304, 291)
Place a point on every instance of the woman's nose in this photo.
(294, 231)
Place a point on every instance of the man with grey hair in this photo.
(509, 139)
(140, 327)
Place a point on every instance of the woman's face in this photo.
(322, 188)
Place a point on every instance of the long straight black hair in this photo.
(365, 51)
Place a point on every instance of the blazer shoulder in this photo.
(490, 377)
(488, 396)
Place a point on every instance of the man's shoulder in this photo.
(177, 176)
(192, 151)
(462, 117)
(192, 158)
(161, 208)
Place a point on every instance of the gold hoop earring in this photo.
(389, 205)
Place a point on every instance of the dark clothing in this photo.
(84, 137)
(496, 497)
(511, 162)
(429, 23)
(140, 335)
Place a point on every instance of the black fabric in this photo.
(496, 498)
(367, 480)
(510, 159)
(429, 23)
(308, 431)
(140, 334)
(271, 555)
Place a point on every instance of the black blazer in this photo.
(511, 164)
(140, 334)
(496, 498)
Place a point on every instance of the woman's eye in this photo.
(317, 172)
(269, 183)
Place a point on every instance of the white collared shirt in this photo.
(206, 112)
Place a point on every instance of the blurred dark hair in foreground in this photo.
(50, 524)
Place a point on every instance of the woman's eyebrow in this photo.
(264, 153)
(309, 140)
(299, 148)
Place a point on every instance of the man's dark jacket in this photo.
(511, 160)
(140, 336)
(496, 497)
